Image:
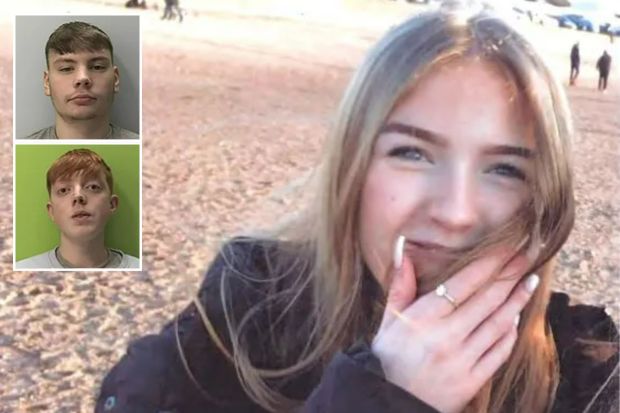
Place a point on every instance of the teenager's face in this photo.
(452, 164)
(81, 206)
(81, 84)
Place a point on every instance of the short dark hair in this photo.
(77, 36)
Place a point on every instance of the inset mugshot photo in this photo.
(77, 206)
(77, 77)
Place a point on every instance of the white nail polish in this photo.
(517, 319)
(532, 282)
(398, 252)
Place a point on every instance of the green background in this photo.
(35, 233)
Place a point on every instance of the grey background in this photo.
(34, 110)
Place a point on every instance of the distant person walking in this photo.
(575, 60)
(168, 10)
(133, 4)
(603, 65)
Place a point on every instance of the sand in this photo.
(237, 102)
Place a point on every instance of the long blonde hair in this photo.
(325, 238)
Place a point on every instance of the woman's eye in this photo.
(409, 153)
(509, 171)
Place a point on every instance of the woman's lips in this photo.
(420, 250)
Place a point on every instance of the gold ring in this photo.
(442, 291)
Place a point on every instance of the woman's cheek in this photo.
(387, 207)
(378, 221)
(501, 203)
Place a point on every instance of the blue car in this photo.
(564, 21)
(581, 22)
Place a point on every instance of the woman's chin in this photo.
(428, 276)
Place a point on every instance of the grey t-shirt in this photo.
(116, 132)
(49, 260)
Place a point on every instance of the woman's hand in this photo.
(444, 353)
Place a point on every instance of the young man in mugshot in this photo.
(81, 201)
(81, 80)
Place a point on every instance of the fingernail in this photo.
(398, 252)
(532, 282)
(517, 319)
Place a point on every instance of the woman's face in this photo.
(451, 163)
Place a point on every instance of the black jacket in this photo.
(574, 55)
(603, 64)
(151, 378)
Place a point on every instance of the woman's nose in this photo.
(454, 201)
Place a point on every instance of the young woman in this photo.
(419, 280)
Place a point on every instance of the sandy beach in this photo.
(237, 101)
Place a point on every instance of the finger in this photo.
(493, 359)
(501, 321)
(402, 290)
(489, 298)
(460, 286)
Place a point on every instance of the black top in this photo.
(574, 54)
(604, 63)
(151, 378)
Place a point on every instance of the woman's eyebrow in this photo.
(414, 131)
(439, 140)
(509, 150)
